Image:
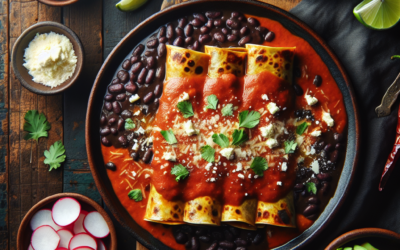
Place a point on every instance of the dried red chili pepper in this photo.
(393, 157)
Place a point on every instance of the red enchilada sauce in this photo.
(244, 93)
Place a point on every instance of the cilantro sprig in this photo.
(129, 124)
(135, 194)
(259, 165)
(395, 57)
(169, 136)
(212, 101)
(55, 156)
(301, 128)
(249, 119)
(311, 187)
(180, 172)
(227, 110)
(36, 125)
(290, 147)
(185, 108)
(221, 140)
(239, 137)
(207, 153)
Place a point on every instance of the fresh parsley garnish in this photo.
(227, 110)
(135, 194)
(129, 124)
(239, 137)
(169, 136)
(221, 140)
(55, 156)
(36, 125)
(186, 108)
(212, 101)
(290, 147)
(249, 119)
(207, 153)
(259, 165)
(301, 128)
(311, 187)
(180, 172)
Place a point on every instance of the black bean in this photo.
(240, 248)
(241, 242)
(232, 38)
(338, 137)
(257, 39)
(310, 209)
(234, 231)
(180, 237)
(147, 156)
(105, 141)
(253, 21)
(114, 131)
(312, 217)
(188, 30)
(150, 76)
(161, 33)
(232, 24)
(135, 157)
(158, 90)
(105, 131)
(213, 14)
(196, 45)
(126, 113)
(317, 81)
(103, 120)
(116, 88)
(120, 97)
(108, 106)
(328, 147)
(111, 166)
(162, 49)
(324, 190)
(197, 22)
(188, 244)
(138, 50)
(269, 36)
(108, 97)
(209, 24)
(131, 87)
(244, 40)
(160, 72)
(205, 38)
(126, 64)
(299, 187)
(195, 243)
(179, 41)
(258, 239)
(312, 200)
(251, 235)
(136, 67)
(123, 76)
(205, 238)
(218, 23)
(151, 62)
(148, 52)
(244, 31)
(204, 30)
(225, 31)
(297, 89)
(228, 235)
(156, 102)
(226, 244)
(236, 14)
(213, 246)
(142, 76)
(334, 156)
(188, 40)
(217, 235)
(263, 30)
(320, 145)
(148, 98)
(163, 39)
(116, 107)
(219, 36)
(182, 22)
(201, 231)
(121, 124)
(179, 32)
(115, 81)
(170, 31)
(132, 77)
(236, 32)
(200, 16)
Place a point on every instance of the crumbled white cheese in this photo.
(239, 166)
(165, 172)
(212, 179)
(272, 143)
(189, 128)
(316, 133)
(226, 152)
(273, 108)
(268, 131)
(311, 151)
(137, 112)
(146, 176)
(208, 166)
(133, 173)
(311, 100)
(169, 156)
(241, 176)
(300, 159)
(183, 97)
(326, 117)
(249, 176)
(279, 183)
(284, 167)
(140, 131)
(255, 176)
(264, 97)
(135, 146)
(134, 98)
(315, 166)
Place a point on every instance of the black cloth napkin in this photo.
(365, 54)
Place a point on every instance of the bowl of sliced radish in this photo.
(66, 221)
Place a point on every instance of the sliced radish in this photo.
(62, 248)
(82, 240)
(66, 211)
(42, 218)
(95, 225)
(30, 247)
(78, 225)
(83, 248)
(100, 245)
(45, 238)
(65, 236)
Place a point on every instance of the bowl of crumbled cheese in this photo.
(47, 58)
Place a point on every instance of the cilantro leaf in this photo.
(301, 128)
(249, 120)
(239, 137)
(180, 172)
(207, 153)
(395, 56)
(135, 194)
(259, 165)
(55, 156)
(212, 101)
(36, 125)
(311, 187)
(186, 108)
(290, 147)
(169, 136)
(129, 124)
(227, 110)
(221, 140)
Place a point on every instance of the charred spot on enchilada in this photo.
(217, 135)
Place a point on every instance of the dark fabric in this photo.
(365, 54)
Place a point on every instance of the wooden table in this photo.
(100, 26)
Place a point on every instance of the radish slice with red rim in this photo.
(45, 238)
(65, 237)
(43, 218)
(95, 225)
(31, 248)
(66, 211)
(83, 248)
(62, 248)
(82, 240)
(78, 225)
(100, 245)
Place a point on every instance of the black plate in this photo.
(148, 27)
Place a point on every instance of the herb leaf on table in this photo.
(55, 156)
(36, 125)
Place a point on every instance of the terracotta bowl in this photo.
(379, 238)
(17, 58)
(58, 2)
(87, 204)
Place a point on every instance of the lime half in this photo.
(378, 14)
(129, 5)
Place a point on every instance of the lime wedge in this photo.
(378, 14)
(129, 5)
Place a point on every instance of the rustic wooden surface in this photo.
(22, 184)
